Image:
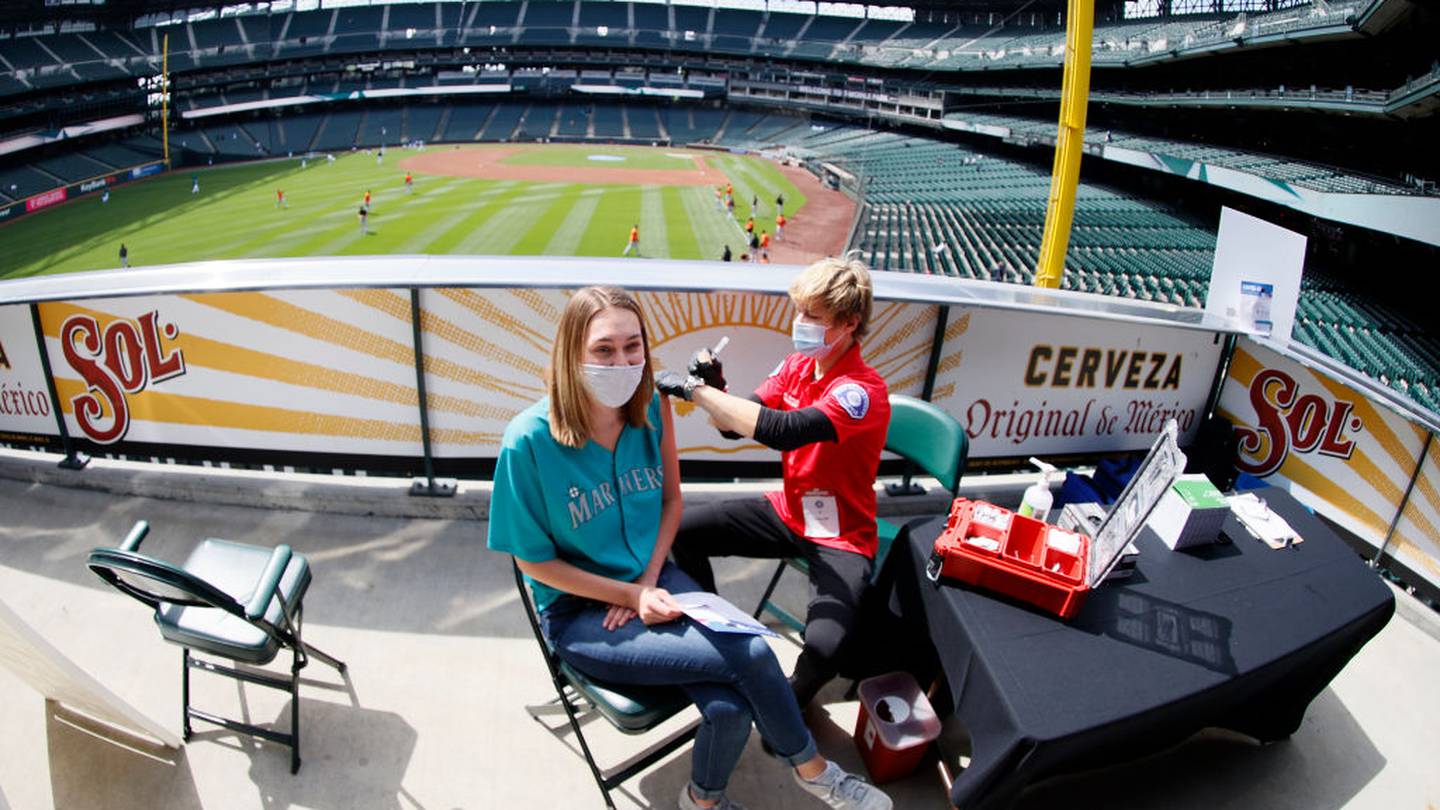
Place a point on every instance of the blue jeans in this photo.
(733, 678)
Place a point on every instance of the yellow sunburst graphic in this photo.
(675, 314)
(897, 346)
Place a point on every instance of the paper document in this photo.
(714, 613)
(1257, 518)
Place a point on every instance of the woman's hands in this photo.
(654, 605)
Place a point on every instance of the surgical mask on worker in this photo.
(809, 339)
(612, 386)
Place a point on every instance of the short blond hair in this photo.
(569, 395)
(841, 287)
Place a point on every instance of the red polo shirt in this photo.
(856, 400)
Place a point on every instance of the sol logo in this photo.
(1291, 420)
(123, 359)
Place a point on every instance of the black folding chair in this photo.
(630, 709)
(229, 600)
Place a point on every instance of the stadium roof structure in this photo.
(22, 14)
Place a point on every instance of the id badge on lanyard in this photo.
(822, 513)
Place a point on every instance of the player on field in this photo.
(280, 199)
(367, 200)
(634, 242)
(364, 214)
(779, 227)
(409, 183)
(764, 247)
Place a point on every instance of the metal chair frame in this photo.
(571, 691)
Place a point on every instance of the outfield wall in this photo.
(314, 362)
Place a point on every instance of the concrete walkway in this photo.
(442, 662)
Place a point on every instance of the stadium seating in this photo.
(1299, 173)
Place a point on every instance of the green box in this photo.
(1190, 513)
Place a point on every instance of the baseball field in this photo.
(564, 200)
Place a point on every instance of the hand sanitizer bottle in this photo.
(1037, 500)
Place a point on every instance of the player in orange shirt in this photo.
(367, 200)
(634, 242)
(779, 227)
(764, 247)
(280, 199)
(750, 225)
(409, 183)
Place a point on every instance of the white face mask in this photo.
(612, 386)
(809, 339)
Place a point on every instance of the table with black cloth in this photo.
(1234, 635)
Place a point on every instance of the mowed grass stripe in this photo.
(712, 229)
(499, 233)
(537, 237)
(447, 240)
(448, 208)
(654, 233)
(565, 239)
(680, 232)
(393, 220)
(610, 227)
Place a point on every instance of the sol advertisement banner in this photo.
(1028, 384)
(1338, 452)
(288, 371)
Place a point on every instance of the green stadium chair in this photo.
(228, 600)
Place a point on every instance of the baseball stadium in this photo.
(1113, 483)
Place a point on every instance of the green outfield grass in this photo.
(234, 216)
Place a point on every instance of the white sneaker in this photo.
(687, 802)
(837, 788)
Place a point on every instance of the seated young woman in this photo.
(587, 499)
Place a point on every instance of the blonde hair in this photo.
(569, 395)
(841, 287)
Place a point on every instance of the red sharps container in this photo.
(895, 727)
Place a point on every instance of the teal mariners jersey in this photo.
(597, 510)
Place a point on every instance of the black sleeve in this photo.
(787, 430)
(732, 435)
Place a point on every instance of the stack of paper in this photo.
(1268, 527)
(1190, 513)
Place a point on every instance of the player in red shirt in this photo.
(827, 412)
(409, 183)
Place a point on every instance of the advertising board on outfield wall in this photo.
(332, 371)
(1339, 452)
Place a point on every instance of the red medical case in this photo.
(1016, 556)
(1053, 569)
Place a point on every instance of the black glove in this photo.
(675, 384)
(707, 367)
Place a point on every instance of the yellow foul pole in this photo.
(1069, 145)
(165, 98)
